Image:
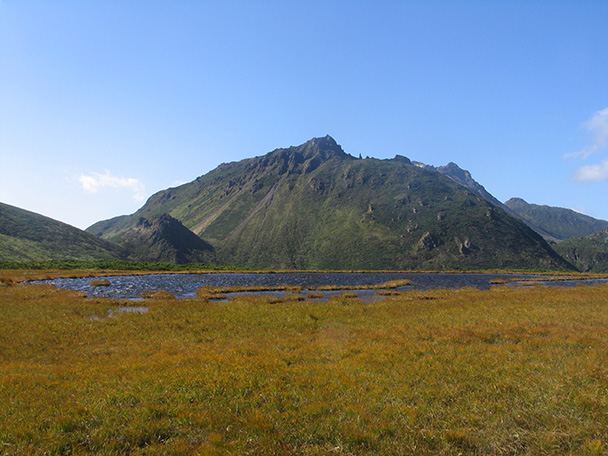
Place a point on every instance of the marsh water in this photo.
(185, 285)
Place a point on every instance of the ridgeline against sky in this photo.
(103, 104)
(315, 207)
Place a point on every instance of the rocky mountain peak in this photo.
(460, 175)
(326, 142)
(305, 157)
(516, 202)
(325, 148)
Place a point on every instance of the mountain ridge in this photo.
(315, 207)
(26, 235)
(559, 222)
(464, 178)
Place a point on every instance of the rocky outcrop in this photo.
(165, 239)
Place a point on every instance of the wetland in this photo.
(326, 284)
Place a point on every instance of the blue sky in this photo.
(103, 103)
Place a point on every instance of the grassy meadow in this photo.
(511, 371)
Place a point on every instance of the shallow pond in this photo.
(185, 285)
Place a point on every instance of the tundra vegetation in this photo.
(503, 372)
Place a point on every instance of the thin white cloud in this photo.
(597, 127)
(97, 182)
(592, 173)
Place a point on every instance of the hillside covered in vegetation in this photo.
(588, 254)
(560, 222)
(25, 235)
(33, 238)
(315, 207)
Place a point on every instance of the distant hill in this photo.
(315, 207)
(164, 239)
(588, 254)
(26, 236)
(557, 221)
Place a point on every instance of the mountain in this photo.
(464, 178)
(315, 207)
(164, 239)
(554, 224)
(557, 221)
(28, 236)
(588, 254)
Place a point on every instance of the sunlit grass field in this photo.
(503, 372)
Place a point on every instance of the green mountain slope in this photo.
(588, 254)
(559, 222)
(315, 207)
(463, 177)
(28, 236)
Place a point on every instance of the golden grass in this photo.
(548, 278)
(381, 286)
(313, 295)
(159, 294)
(208, 290)
(500, 372)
